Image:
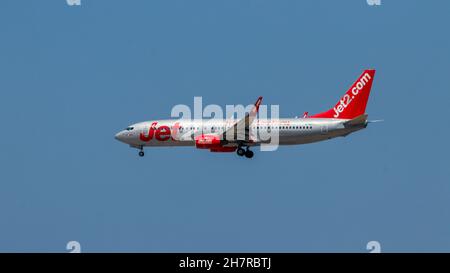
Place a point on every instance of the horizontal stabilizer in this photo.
(359, 120)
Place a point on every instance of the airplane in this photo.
(230, 135)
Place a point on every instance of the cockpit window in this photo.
(129, 128)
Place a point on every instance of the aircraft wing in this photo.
(240, 131)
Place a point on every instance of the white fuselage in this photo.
(290, 131)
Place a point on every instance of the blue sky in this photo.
(71, 77)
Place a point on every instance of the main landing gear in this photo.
(241, 152)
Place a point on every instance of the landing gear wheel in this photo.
(248, 154)
(141, 153)
(240, 152)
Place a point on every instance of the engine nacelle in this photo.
(207, 141)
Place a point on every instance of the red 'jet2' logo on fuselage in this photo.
(162, 133)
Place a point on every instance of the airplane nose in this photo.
(119, 136)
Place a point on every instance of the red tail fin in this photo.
(354, 102)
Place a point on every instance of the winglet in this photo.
(257, 104)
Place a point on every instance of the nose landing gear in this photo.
(141, 152)
(247, 152)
